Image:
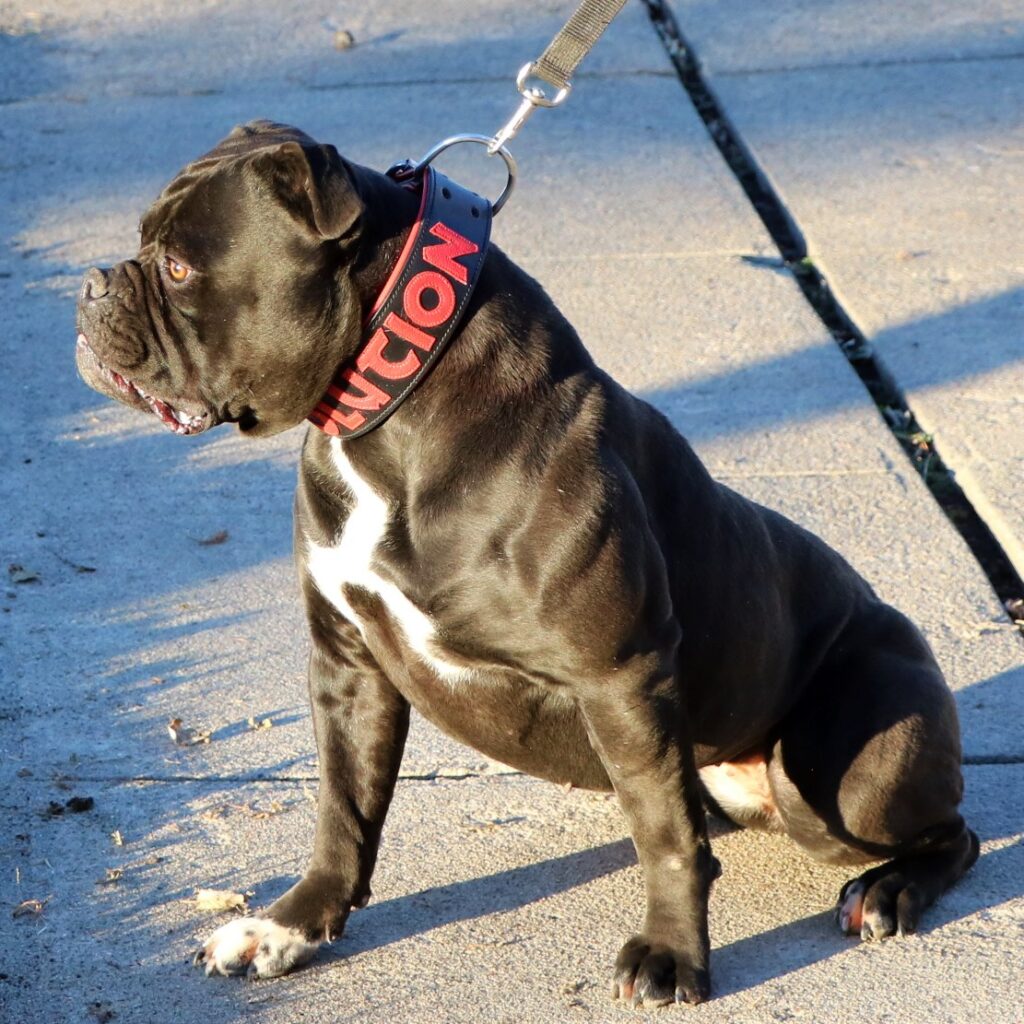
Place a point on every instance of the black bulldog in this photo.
(531, 557)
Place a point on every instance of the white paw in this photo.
(255, 946)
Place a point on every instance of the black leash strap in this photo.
(576, 39)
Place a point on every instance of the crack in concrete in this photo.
(869, 65)
(799, 474)
(300, 84)
(441, 775)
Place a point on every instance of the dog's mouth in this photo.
(180, 420)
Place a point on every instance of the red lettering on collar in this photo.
(446, 252)
(401, 349)
(372, 398)
(406, 331)
(372, 359)
(412, 299)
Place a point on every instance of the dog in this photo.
(527, 554)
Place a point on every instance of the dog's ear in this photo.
(315, 185)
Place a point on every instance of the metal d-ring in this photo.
(410, 170)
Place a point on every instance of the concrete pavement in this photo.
(497, 897)
(911, 112)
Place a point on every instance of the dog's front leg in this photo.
(637, 725)
(360, 721)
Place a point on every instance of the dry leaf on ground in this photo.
(215, 538)
(184, 736)
(216, 900)
(29, 908)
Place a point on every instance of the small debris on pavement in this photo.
(215, 538)
(77, 566)
(217, 900)
(53, 809)
(112, 875)
(78, 804)
(262, 723)
(573, 989)
(1015, 609)
(183, 736)
(29, 908)
(259, 813)
(275, 808)
(485, 825)
(102, 1013)
(343, 39)
(116, 838)
(19, 574)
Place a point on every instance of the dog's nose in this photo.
(94, 286)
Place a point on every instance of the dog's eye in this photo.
(177, 271)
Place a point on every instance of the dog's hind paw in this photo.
(850, 908)
(256, 946)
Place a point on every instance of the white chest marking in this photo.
(350, 561)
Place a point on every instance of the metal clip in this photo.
(407, 169)
(533, 97)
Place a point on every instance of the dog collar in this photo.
(416, 313)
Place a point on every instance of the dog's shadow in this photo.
(739, 965)
(389, 921)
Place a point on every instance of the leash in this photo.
(554, 67)
(405, 334)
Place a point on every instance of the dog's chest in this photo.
(349, 561)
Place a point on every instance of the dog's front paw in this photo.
(650, 973)
(256, 946)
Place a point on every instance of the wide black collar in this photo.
(417, 311)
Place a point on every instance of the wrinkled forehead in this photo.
(203, 182)
(247, 138)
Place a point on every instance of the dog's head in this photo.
(232, 309)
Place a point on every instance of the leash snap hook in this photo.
(533, 97)
(406, 170)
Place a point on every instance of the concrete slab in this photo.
(76, 53)
(499, 900)
(935, 275)
(737, 36)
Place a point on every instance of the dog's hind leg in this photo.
(867, 767)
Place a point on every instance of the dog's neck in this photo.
(417, 312)
(390, 215)
(512, 347)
